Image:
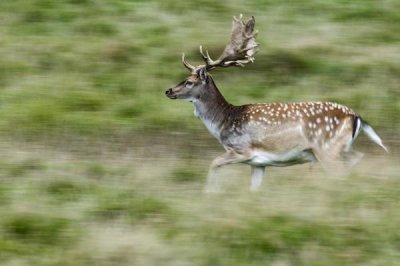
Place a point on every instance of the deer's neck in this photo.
(212, 109)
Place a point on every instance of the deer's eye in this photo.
(189, 84)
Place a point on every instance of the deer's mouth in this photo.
(170, 94)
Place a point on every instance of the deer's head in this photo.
(193, 86)
(238, 52)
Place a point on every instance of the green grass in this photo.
(98, 167)
(79, 207)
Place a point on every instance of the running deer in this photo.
(270, 134)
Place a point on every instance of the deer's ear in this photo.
(203, 75)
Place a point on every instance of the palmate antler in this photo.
(241, 48)
(239, 51)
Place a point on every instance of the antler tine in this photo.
(186, 64)
(238, 19)
(207, 59)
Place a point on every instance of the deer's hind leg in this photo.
(337, 156)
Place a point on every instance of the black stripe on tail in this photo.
(357, 122)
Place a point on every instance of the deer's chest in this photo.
(212, 128)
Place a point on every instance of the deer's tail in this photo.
(360, 124)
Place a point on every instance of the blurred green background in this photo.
(98, 167)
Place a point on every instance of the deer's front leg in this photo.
(257, 174)
(226, 158)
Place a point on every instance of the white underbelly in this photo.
(261, 158)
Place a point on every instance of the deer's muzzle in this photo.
(170, 94)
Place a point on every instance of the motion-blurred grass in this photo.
(115, 207)
(98, 167)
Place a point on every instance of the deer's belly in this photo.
(261, 158)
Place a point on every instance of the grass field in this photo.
(98, 167)
(109, 205)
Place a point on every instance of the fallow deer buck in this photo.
(271, 134)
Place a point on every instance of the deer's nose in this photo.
(168, 92)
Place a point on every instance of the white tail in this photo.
(370, 132)
(274, 134)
